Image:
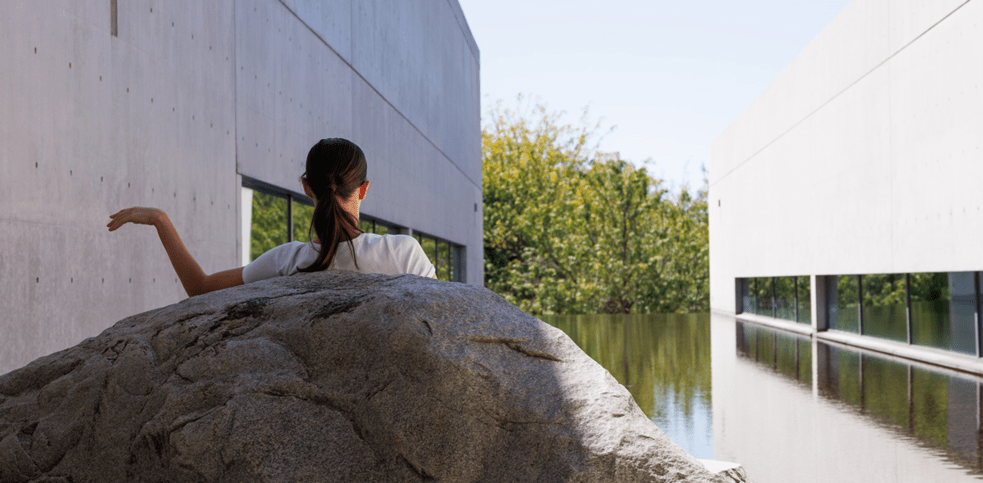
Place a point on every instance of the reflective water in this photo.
(663, 360)
(787, 407)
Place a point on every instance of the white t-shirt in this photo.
(386, 254)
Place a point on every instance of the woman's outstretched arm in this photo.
(192, 276)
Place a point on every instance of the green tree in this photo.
(572, 230)
(269, 223)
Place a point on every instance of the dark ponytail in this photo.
(335, 170)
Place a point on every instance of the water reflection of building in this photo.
(939, 409)
(791, 407)
(207, 109)
(844, 200)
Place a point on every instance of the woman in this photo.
(335, 180)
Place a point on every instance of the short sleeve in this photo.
(412, 258)
(264, 267)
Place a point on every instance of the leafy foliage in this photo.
(571, 230)
(269, 223)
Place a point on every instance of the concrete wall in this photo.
(189, 96)
(863, 156)
(400, 79)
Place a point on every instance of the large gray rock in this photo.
(330, 377)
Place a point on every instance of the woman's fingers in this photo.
(138, 215)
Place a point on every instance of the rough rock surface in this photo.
(330, 377)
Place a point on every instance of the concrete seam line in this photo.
(390, 104)
(838, 94)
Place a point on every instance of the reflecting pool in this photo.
(789, 407)
(663, 360)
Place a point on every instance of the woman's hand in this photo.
(138, 215)
(192, 277)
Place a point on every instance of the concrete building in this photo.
(190, 107)
(847, 196)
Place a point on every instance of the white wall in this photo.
(863, 156)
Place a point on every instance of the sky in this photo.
(669, 76)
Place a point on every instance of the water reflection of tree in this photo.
(650, 354)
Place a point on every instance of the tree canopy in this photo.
(571, 230)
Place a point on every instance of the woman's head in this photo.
(335, 179)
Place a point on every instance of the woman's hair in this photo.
(335, 170)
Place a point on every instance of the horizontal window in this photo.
(273, 216)
(785, 298)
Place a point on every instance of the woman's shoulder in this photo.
(399, 246)
(390, 239)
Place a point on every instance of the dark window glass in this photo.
(804, 294)
(269, 223)
(747, 295)
(885, 306)
(930, 309)
(444, 260)
(844, 303)
(962, 312)
(457, 259)
(764, 295)
(785, 298)
(303, 214)
(430, 248)
(943, 310)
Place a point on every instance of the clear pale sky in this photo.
(671, 76)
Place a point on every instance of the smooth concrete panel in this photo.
(866, 34)
(415, 55)
(331, 21)
(292, 90)
(937, 108)
(159, 116)
(97, 123)
(413, 184)
(794, 211)
(882, 179)
(853, 44)
(912, 18)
